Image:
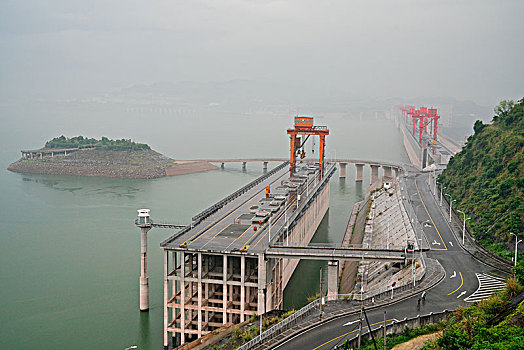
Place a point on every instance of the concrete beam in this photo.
(342, 170)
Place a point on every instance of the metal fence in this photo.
(207, 212)
(282, 326)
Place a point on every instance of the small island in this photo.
(82, 156)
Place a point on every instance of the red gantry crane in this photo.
(304, 126)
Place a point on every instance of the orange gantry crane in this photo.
(304, 126)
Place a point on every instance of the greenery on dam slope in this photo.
(486, 179)
(104, 143)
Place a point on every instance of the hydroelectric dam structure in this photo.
(236, 258)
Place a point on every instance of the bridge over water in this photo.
(388, 167)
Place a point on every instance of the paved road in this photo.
(460, 281)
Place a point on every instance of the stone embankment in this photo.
(387, 223)
(141, 164)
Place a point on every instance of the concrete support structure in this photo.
(264, 165)
(342, 170)
(144, 278)
(222, 165)
(360, 170)
(387, 172)
(374, 173)
(244, 165)
(207, 289)
(332, 279)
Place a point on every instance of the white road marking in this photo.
(461, 294)
(350, 323)
(451, 243)
(435, 242)
(487, 286)
(454, 274)
(427, 225)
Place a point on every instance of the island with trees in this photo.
(82, 156)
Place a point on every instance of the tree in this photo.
(503, 109)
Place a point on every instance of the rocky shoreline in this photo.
(138, 164)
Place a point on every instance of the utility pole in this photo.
(320, 305)
(360, 322)
(370, 330)
(385, 347)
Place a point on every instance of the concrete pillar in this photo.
(224, 291)
(244, 165)
(342, 170)
(374, 173)
(360, 171)
(332, 280)
(182, 297)
(264, 165)
(166, 299)
(199, 286)
(242, 286)
(144, 278)
(261, 284)
(387, 171)
(222, 165)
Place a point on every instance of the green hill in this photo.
(486, 178)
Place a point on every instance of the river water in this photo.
(69, 250)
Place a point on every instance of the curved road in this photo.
(460, 280)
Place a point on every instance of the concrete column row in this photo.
(244, 165)
(359, 167)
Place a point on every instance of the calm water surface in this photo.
(69, 251)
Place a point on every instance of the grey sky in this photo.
(471, 49)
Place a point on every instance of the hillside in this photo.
(487, 178)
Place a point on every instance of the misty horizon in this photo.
(290, 50)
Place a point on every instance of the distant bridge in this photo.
(342, 162)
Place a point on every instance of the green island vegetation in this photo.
(103, 144)
(486, 179)
(493, 323)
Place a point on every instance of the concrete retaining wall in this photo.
(305, 229)
(397, 327)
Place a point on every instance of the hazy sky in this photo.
(471, 49)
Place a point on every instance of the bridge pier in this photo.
(244, 165)
(374, 173)
(360, 170)
(264, 165)
(342, 170)
(332, 279)
(222, 165)
(387, 171)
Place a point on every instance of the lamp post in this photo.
(451, 200)
(517, 241)
(441, 187)
(463, 225)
